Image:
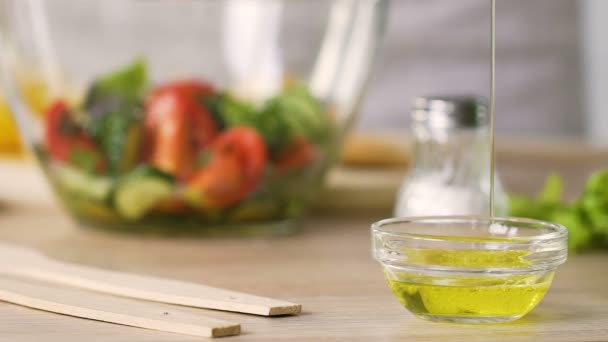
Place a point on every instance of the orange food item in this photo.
(298, 155)
(178, 126)
(236, 166)
(63, 138)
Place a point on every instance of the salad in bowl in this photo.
(135, 153)
(196, 116)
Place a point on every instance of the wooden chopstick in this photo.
(112, 309)
(34, 265)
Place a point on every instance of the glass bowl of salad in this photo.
(197, 116)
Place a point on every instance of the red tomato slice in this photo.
(236, 167)
(199, 119)
(63, 137)
(300, 154)
(220, 184)
(249, 147)
(193, 88)
(204, 128)
(169, 147)
(57, 117)
(178, 125)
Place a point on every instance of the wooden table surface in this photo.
(326, 267)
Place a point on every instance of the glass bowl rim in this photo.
(558, 231)
(546, 251)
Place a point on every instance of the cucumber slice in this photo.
(82, 184)
(140, 191)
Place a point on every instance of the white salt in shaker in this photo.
(451, 171)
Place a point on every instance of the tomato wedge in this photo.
(203, 126)
(192, 94)
(178, 125)
(298, 155)
(168, 135)
(248, 146)
(219, 184)
(66, 141)
(237, 163)
(196, 90)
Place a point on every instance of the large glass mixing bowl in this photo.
(188, 116)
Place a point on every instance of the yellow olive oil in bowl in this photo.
(469, 269)
(471, 299)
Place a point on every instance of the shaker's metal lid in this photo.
(451, 111)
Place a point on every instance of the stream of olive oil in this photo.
(473, 297)
(492, 100)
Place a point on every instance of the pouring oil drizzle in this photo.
(492, 99)
(473, 299)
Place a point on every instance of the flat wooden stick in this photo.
(106, 308)
(31, 264)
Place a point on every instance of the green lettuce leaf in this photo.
(114, 106)
(549, 205)
(124, 86)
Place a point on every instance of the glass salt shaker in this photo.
(451, 171)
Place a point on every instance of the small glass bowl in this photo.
(469, 269)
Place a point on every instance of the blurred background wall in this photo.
(441, 46)
(551, 78)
